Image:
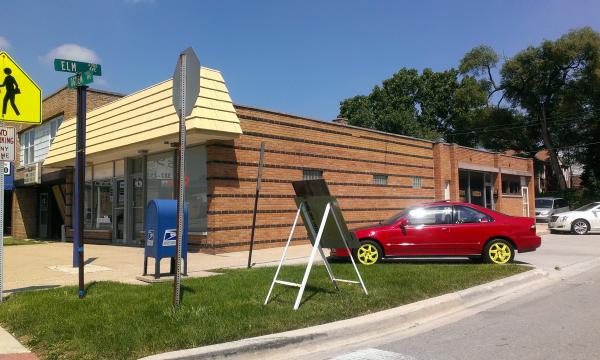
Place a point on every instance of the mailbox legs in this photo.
(157, 268)
(172, 268)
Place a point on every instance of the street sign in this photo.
(188, 87)
(84, 74)
(9, 180)
(33, 174)
(80, 79)
(20, 96)
(77, 67)
(7, 143)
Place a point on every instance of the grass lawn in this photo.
(9, 240)
(120, 321)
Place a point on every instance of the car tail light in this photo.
(532, 228)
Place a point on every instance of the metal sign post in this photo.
(83, 75)
(7, 153)
(1, 234)
(78, 208)
(261, 160)
(186, 87)
(2, 230)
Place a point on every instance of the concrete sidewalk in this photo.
(11, 349)
(43, 266)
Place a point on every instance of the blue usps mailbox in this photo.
(160, 229)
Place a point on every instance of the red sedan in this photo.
(446, 229)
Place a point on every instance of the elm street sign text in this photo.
(77, 67)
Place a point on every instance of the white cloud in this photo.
(4, 43)
(72, 52)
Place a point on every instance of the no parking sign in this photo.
(7, 143)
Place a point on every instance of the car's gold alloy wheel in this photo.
(500, 253)
(368, 254)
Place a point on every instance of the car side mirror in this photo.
(402, 223)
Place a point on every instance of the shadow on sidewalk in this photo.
(31, 288)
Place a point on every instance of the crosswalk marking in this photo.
(373, 354)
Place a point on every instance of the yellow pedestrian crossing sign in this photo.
(20, 97)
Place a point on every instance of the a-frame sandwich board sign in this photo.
(316, 205)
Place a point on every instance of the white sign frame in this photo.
(316, 248)
(7, 143)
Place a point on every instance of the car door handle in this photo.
(445, 229)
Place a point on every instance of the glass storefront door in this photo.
(43, 216)
(137, 201)
(477, 188)
(119, 209)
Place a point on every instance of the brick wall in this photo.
(444, 170)
(448, 158)
(512, 205)
(24, 213)
(348, 157)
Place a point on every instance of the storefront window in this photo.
(463, 186)
(103, 199)
(99, 197)
(196, 188)
(160, 176)
(88, 203)
(511, 185)
(103, 204)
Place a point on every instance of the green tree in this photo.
(548, 88)
(480, 62)
(542, 79)
(431, 105)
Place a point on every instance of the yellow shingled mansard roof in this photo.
(146, 121)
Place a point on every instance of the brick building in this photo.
(38, 205)
(131, 160)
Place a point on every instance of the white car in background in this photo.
(580, 221)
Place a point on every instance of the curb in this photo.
(395, 318)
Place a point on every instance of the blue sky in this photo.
(299, 57)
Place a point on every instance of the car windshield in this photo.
(394, 218)
(543, 204)
(587, 207)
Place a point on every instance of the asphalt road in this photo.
(559, 320)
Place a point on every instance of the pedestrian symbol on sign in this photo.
(12, 89)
